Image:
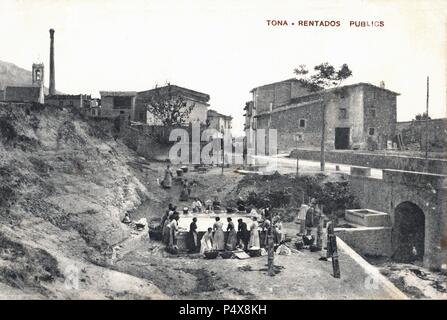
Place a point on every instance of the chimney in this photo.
(52, 73)
(382, 84)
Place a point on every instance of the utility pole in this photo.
(426, 125)
(323, 134)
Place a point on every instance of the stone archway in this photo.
(408, 232)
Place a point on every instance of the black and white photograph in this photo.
(203, 150)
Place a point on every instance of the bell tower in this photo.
(38, 79)
(38, 74)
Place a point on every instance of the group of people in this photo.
(169, 225)
(245, 236)
(214, 237)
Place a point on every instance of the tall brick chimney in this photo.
(52, 73)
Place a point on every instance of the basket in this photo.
(211, 254)
(184, 169)
(226, 254)
(254, 252)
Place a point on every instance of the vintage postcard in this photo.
(223, 150)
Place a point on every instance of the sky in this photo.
(225, 47)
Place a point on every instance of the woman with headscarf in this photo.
(218, 239)
(192, 236)
(232, 235)
(254, 234)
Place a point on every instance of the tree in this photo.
(324, 77)
(421, 117)
(171, 109)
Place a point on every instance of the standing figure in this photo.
(184, 194)
(278, 235)
(170, 210)
(193, 241)
(218, 239)
(206, 244)
(216, 202)
(173, 228)
(167, 229)
(254, 234)
(232, 236)
(196, 205)
(167, 181)
(265, 230)
(243, 234)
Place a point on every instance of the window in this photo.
(343, 113)
(371, 131)
(372, 112)
(122, 102)
(302, 123)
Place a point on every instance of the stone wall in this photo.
(379, 161)
(367, 241)
(426, 191)
(109, 110)
(414, 134)
(287, 125)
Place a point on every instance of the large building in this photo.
(218, 121)
(32, 93)
(197, 99)
(356, 116)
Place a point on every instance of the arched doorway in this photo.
(408, 232)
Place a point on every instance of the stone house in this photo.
(218, 121)
(198, 99)
(357, 116)
(117, 103)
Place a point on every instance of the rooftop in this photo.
(273, 83)
(118, 93)
(177, 89)
(214, 113)
(66, 96)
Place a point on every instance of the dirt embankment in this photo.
(65, 184)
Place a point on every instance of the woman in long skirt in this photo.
(173, 234)
(206, 243)
(167, 230)
(254, 234)
(218, 239)
(167, 181)
(232, 236)
(193, 241)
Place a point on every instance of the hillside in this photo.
(10, 74)
(64, 188)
